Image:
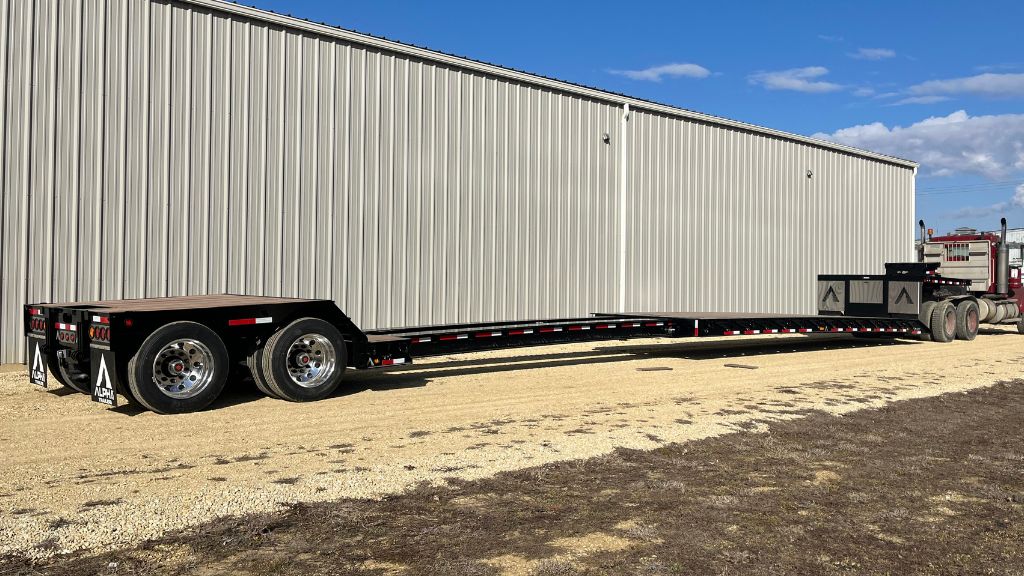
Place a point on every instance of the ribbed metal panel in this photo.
(729, 221)
(154, 148)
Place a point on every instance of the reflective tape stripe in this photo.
(250, 321)
(487, 334)
(101, 319)
(392, 362)
(62, 326)
(520, 332)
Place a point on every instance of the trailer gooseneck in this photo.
(174, 355)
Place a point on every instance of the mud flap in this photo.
(103, 376)
(37, 361)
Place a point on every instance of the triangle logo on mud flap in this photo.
(103, 390)
(38, 372)
(904, 297)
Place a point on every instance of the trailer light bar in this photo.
(250, 321)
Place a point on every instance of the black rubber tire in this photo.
(255, 363)
(274, 360)
(968, 317)
(74, 379)
(943, 324)
(1020, 326)
(140, 377)
(925, 316)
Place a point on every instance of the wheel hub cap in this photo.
(312, 360)
(183, 368)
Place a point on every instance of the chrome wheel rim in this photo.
(183, 368)
(311, 360)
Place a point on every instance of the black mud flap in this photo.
(37, 361)
(103, 376)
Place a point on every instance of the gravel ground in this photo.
(79, 476)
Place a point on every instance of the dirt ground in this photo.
(79, 477)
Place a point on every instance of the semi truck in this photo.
(174, 355)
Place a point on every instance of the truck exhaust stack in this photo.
(1003, 261)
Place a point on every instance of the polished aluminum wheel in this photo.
(183, 368)
(311, 360)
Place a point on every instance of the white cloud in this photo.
(674, 70)
(989, 84)
(992, 146)
(872, 54)
(864, 92)
(920, 100)
(999, 207)
(796, 79)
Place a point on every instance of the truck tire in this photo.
(925, 316)
(255, 363)
(1020, 326)
(1014, 310)
(304, 361)
(984, 309)
(967, 320)
(181, 367)
(943, 324)
(998, 313)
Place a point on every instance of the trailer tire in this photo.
(967, 320)
(255, 363)
(305, 360)
(984, 309)
(943, 324)
(182, 387)
(1020, 326)
(925, 316)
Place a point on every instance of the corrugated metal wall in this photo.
(153, 148)
(727, 220)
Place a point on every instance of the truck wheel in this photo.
(181, 367)
(255, 363)
(943, 324)
(305, 361)
(925, 316)
(984, 309)
(67, 375)
(1020, 326)
(966, 320)
(998, 313)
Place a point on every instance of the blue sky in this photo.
(937, 82)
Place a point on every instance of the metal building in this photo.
(166, 147)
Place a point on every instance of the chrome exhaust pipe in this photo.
(1003, 261)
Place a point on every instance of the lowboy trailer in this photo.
(174, 355)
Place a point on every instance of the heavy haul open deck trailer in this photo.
(174, 355)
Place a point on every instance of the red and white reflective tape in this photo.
(578, 328)
(520, 332)
(420, 339)
(655, 324)
(630, 324)
(101, 319)
(732, 332)
(35, 311)
(696, 327)
(556, 329)
(805, 330)
(772, 331)
(751, 332)
(62, 326)
(454, 337)
(487, 334)
(250, 321)
(392, 362)
(915, 331)
(604, 326)
(903, 329)
(788, 330)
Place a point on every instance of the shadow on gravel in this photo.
(927, 486)
(415, 376)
